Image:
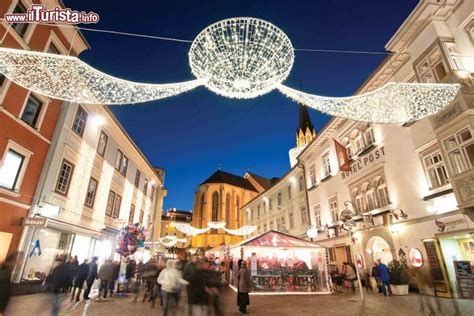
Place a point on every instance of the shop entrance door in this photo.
(380, 249)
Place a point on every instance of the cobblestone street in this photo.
(337, 304)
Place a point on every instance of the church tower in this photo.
(305, 133)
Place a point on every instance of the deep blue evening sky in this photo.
(190, 134)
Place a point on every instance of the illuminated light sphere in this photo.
(241, 57)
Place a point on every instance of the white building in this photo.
(412, 186)
(95, 180)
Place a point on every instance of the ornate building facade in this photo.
(219, 199)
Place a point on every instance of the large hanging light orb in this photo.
(241, 57)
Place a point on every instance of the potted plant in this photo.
(398, 277)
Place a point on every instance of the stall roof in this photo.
(277, 239)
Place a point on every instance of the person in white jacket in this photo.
(170, 280)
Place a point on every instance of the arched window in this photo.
(237, 205)
(382, 193)
(215, 207)
(227, 209)
(203, 201)
(279, 198)
(369, 136)
(370, 198)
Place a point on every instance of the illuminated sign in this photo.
(415, 257)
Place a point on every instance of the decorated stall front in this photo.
(281, 263)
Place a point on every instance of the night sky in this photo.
(191, 134)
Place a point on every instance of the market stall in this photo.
(281, 263)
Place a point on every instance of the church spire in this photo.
(305, 132)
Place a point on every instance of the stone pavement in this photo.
(295, 305)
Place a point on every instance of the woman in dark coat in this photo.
(244, 287)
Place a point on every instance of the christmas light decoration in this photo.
(68, 78)
(392, 103)
(193, 231)
(241, 57)
(216, 225)
(237, 58)
(190, 230)
(242, 231)
(170, 242)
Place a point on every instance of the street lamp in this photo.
(349, 224)
(312, 232)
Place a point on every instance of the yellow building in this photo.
(168, 228)
(219, 199)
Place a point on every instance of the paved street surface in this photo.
(337, 304)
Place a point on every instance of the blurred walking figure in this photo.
(130, 272)
(193, 273)
(115, 276)
(72, 266)
(170, 280)
(79, 279)
(91, 277)
(149, 276)
(213, 283)
(384, 276)
(60, 285)
(106, 274)
(244, 287)
(5, 284)
(349, 274)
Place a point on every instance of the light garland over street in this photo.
(237, 58)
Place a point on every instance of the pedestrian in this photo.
(384, 277)
(5, 283)
(193, 273)
(244, 287)
(72, 267)
(213, 283)
(374, 282)
(115, 276)
(92, 275)
(106, 275)
(349, 274)
(80, 277)
(130, 272)
(170, 280)
(60, 284)
(149, 276)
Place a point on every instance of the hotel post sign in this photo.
(364, 162)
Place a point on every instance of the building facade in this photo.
(168, 228)
(95, 181)
(219, 199)
(27, 120)
(410, 186)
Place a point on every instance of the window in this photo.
(334, 209)
(347, 143)
(148, 221)
(227, 209)
(215, 207)
(460, 150)
(237, 204)
(301, 184)
(279, 224)
(291, 219)
(317, 215)
(145, 187)
(121, 163)
(102, 145)
(64, 178)
(20, 28)
(283, 223)
(431, 69)
(152, 194)
(117, 204)
(435, 169)
(265, 228)
(140, 219)
(383, 193)
(131, 217)
(10, 169)
(32, 111)
(110, 203)
(80, 120)
(258, 211)
(358, 143)
(52, 49)
(304, 215)
(371, 200)
(90, 195)
(312, 175)
(326, 165)
(289, 192)
(369, 136)
(279, 198)
(270, 204)
(360, 204)
(137, 178)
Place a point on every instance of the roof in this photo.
(273, 238)
(305, 120)
(225, 177)
(264, 182)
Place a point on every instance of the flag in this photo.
(342, 157)
(36, 249)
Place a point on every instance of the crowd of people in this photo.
(154, 280)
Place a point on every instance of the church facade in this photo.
(219, 199)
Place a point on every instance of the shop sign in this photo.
(359, 261)
(415, 257)
(34, 221)
(364, 162)
(450, 223)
